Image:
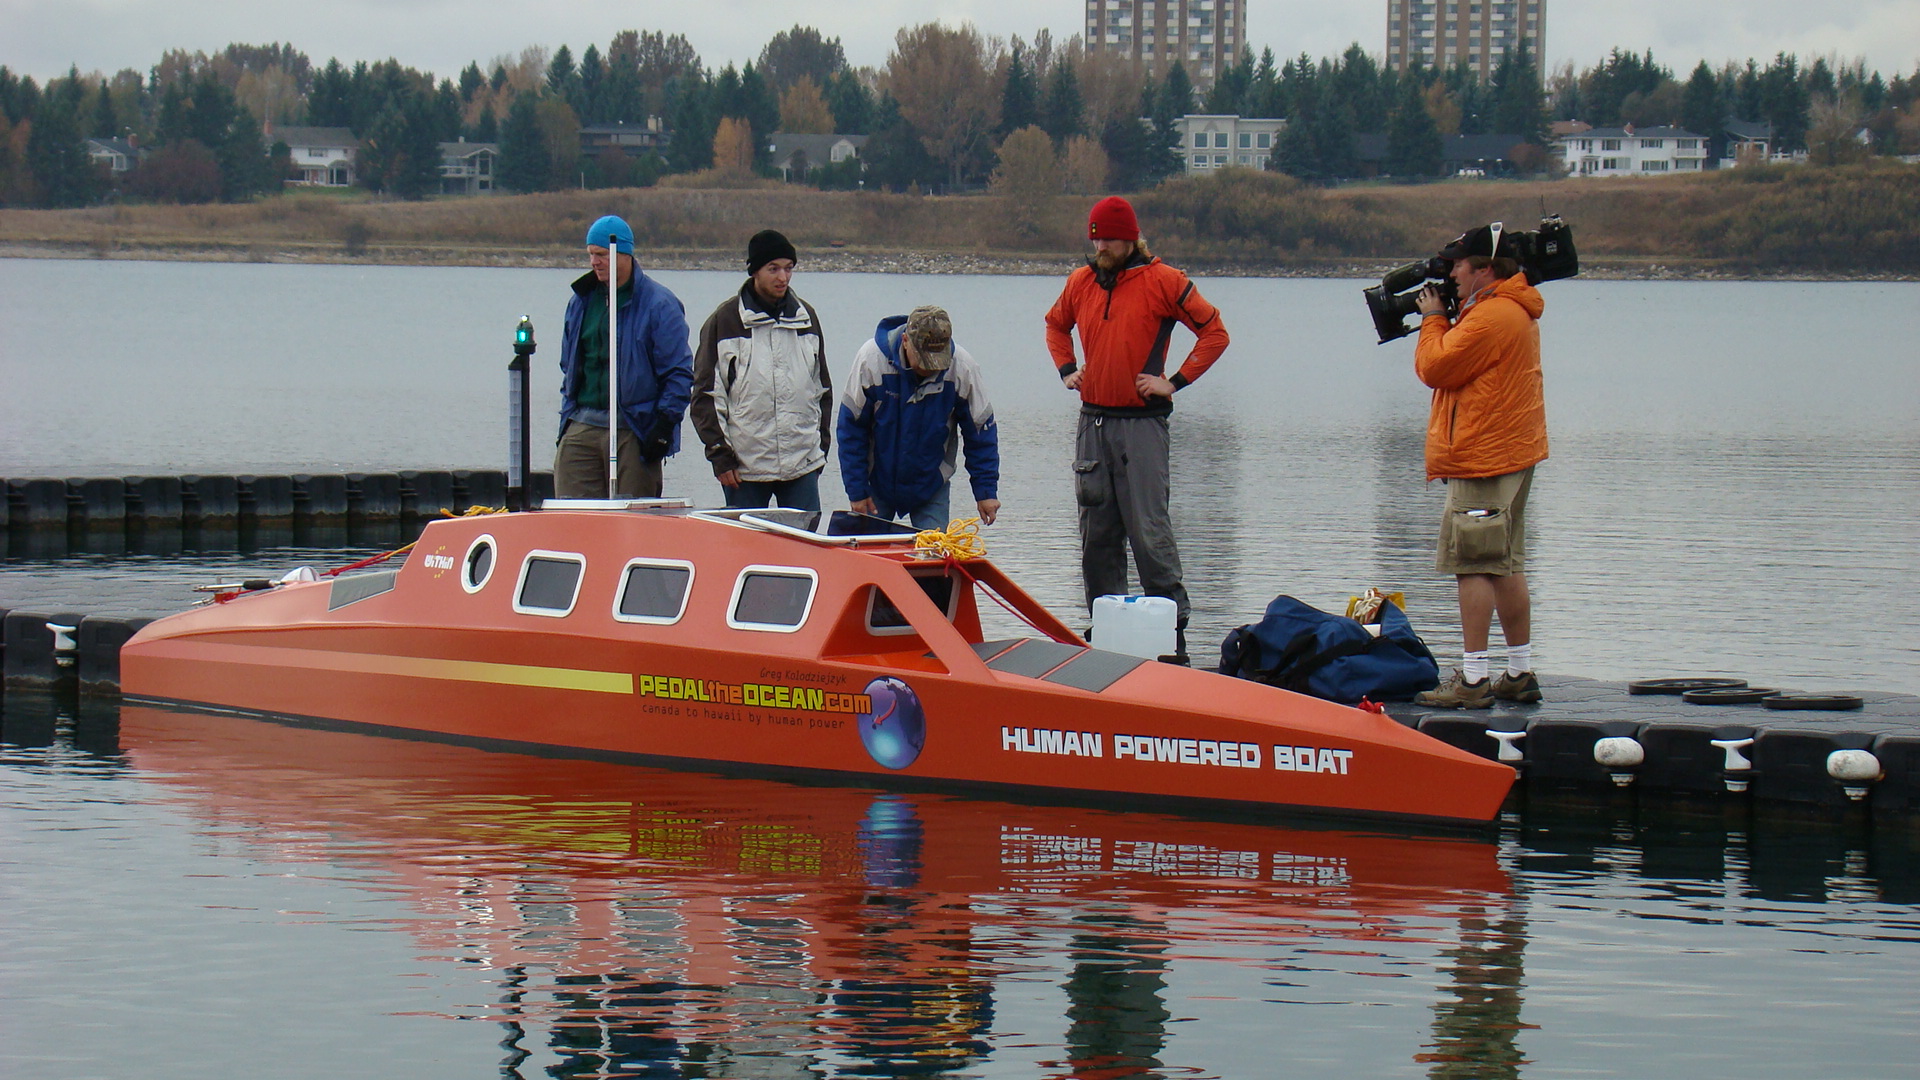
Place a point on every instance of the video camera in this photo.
(1544, 255)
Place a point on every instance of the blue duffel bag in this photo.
(1308, 651)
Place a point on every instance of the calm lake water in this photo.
(1734, 488)
(190, 896)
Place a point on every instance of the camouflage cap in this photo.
(932, 335)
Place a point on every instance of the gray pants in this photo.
(1121, 480)
(580, 465)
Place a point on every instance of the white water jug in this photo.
(1135, 625)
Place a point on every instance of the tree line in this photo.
(951, 109)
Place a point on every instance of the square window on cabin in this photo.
(1200, 140)
(1246, 140)
(549, 584)
(771, 600)
(1266, 141)
(1220, 140)
(654, 592)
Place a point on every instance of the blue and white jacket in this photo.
(900, 433)
(656, 361)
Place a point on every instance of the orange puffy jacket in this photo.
(1489, 413)
(1126, 332)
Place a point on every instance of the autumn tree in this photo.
(1028, 173)
(804, 111)
(733, 146)
(1083, 166)
(801, 53)
(941, 77)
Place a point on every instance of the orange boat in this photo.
(779, 642)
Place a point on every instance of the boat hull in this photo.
(426, 660)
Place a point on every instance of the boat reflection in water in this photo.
(691, 924)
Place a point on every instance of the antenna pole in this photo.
(613, 367)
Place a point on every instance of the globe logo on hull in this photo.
(896, 730)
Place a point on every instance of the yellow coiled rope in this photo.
(959, 540)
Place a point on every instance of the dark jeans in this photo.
(799, 493)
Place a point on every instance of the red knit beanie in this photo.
(1112, 219)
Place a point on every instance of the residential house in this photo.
(468, 168)
(1749, 142)
(797, 155)
(1210, 141)
(633, 140)
(322, 156)
(1625, 151)
(118, 155)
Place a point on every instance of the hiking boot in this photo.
(1457, 693)
(1523, 688)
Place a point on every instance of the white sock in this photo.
(1473, 666)
(1519, 660)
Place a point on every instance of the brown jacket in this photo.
(1489, 413)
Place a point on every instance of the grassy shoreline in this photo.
(1785, 224)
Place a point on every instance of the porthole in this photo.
(477, 568)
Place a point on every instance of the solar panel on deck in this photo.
(987, 650)
(1034, 658)
(1095, 670)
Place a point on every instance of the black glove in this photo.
(659, 440)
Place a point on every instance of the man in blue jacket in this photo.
(913, 400)
(656, 374)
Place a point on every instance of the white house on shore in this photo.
(1625, 151)
(323, 156)
(1210, 141)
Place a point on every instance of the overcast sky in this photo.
(42, 37)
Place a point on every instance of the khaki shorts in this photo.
(1484, 527)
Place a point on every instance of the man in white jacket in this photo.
(762, 398)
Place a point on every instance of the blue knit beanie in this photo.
(614, 229)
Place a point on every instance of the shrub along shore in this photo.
(1771, 222)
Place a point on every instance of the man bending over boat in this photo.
(761, 393)
(1486, 432)
(1124, 304)
(656, 374)
(913, 399)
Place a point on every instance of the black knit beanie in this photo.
(766, 246)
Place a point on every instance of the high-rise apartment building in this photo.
(1441, 33)
(1204, 35)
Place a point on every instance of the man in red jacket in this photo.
(1486, 432)
(1124, 304)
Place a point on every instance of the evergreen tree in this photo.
(1783, 102)
(524, 165)
(487, 128)
(244, 168)
(896, 156)
(1413, 139)
(800, 53)
(1131, 153)
(56, 154)
(1228, 95)
(1701, 110)
(592, 87)
(1518, 106)
(692, 118)
(106, 119)
(1063, 113)
(471, 81)
(1176, 92)
(1020, 98)
(1298, 153)
(563, 79)
(1357, 86)
(761, 110)
(446, 112)
(328, 103)
(1263, 96)
(851, 102)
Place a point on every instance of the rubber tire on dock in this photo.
(1835, 702)
(1681, 686)
(1728, 695)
